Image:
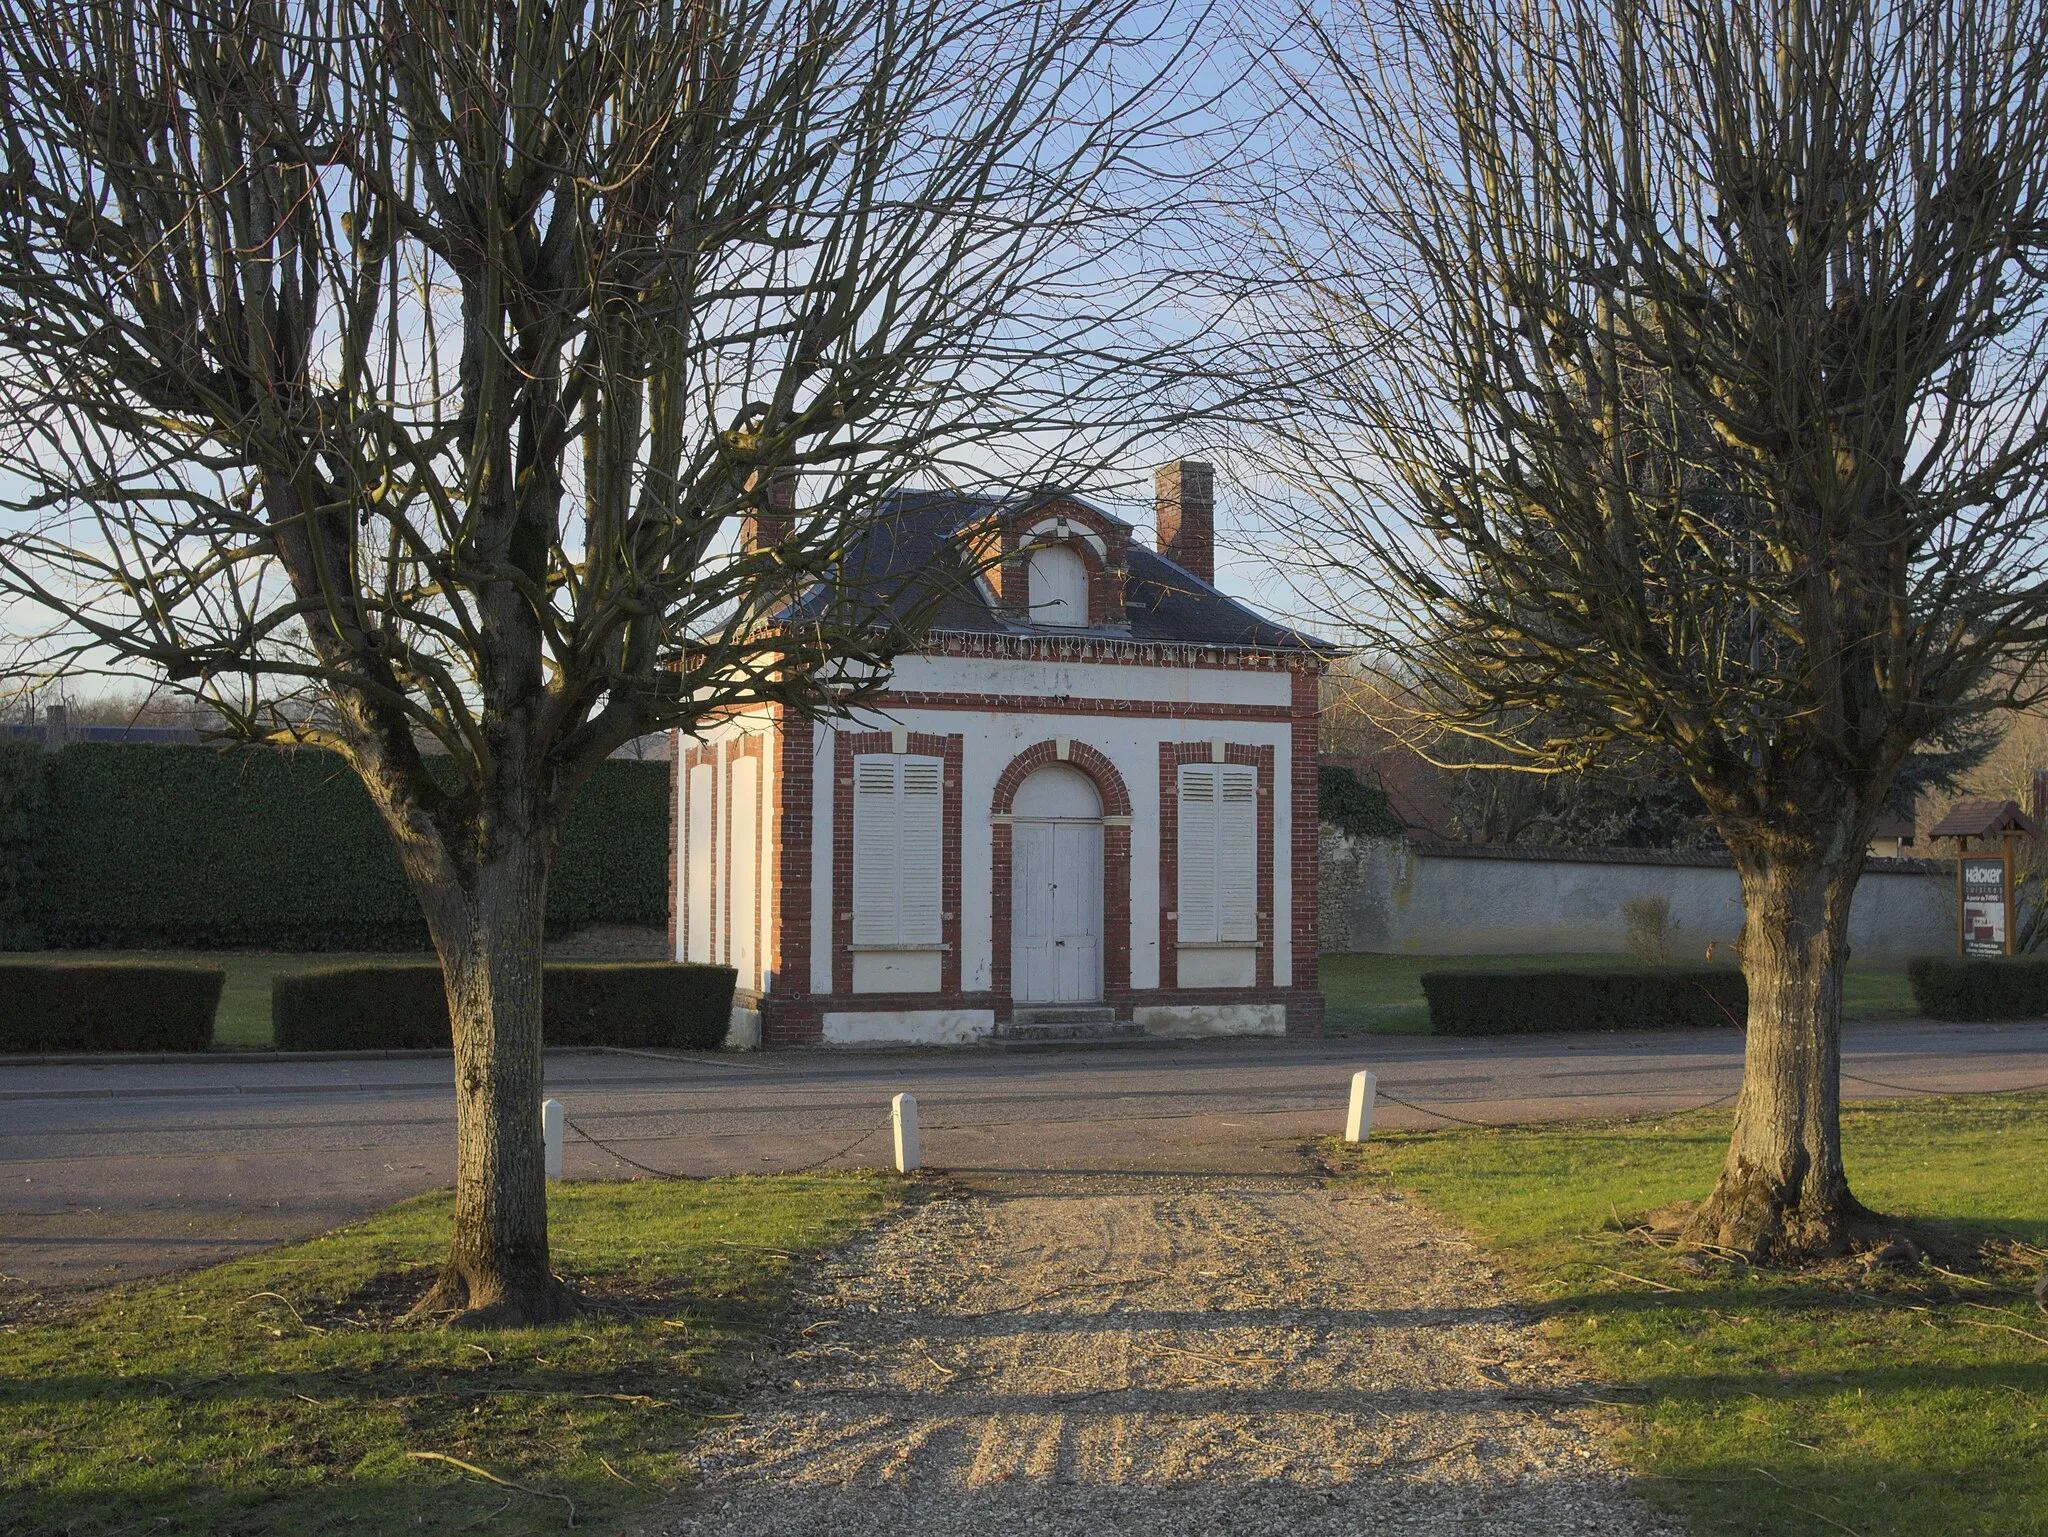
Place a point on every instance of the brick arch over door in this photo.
(1116, 866)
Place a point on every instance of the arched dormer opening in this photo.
(1057, 586)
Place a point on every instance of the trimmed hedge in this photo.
(107, 1006)
(203, 848)
(583, 1003)
(1523, 1002)
(21, 802)
(1977, 988)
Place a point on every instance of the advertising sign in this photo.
(1986, 901)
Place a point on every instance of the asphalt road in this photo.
(113, 1169)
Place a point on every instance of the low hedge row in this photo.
(1523, 1002)
(1980, 988)
(394, 1007)
(107, 1006)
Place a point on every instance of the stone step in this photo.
(1027, 1029)
(1063, 1014)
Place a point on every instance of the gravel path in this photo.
(1075, 1355)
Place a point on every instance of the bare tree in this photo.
(427, 358)
(1673, 374)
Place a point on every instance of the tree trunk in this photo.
(1782, 1192)
(489, 938)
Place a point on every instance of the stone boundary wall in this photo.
(1387, 896)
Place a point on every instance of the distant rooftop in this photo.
(1983, 819)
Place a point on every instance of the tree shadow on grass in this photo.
(1917, 1450)
(311, 1415)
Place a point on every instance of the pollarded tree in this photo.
(1674, 375)
(424, 358)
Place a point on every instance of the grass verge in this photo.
(1890, 1401)
(1382, 994)
(282, 1395)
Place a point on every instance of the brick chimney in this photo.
(768, 525)
(1186, 497)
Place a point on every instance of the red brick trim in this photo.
(786, 1018)
(1004, 547)
(1109, 784)
(1116, 867)
(1067, 704)
(1171, 756)
(950, 751)
(1053, 646)
(675, 837)
(1306, 859)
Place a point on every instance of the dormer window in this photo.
(1058, 587)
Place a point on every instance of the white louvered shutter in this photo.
(919, 846)
(1237, 854)
(1197, 894)
(874, 851)
(898, 842)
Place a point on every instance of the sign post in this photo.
(1984, 896)
(1984, 887)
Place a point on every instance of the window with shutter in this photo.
(1237, 854)
(898, 844)
(919, 850)
(1219, 854)
(1197, 854)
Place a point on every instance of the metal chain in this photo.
(1422, 1108)
(831, 1157)
(673, 1174)
(622, 1158)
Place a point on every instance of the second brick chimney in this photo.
(768, 525)
(1186, 498)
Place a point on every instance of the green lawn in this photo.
(281, 1394)
(1382, 994)
(1905, 1402)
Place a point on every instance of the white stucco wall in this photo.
(738, 932)
(1385, 897)
(993, 739)
(1091, 680)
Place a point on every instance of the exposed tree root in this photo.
(1750, 1214)
(497, 1302)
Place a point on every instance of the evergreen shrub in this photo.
(21, 799)
(1980, 987)
(107, 1006)
(1350, 805)
(400, 1006)
(1526, 1002)
(148, 847)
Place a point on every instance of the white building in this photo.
(1086, 805)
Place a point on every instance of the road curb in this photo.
(206, 1058)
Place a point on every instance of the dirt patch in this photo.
(1071, 1355)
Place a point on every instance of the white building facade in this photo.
(1085, 806)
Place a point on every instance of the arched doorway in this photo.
(1056, 889)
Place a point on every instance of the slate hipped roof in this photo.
(916, 546)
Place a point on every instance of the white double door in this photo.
(1056, 912)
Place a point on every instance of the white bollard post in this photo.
(903, 1112)
(551, 1136)
(1358, 1123)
